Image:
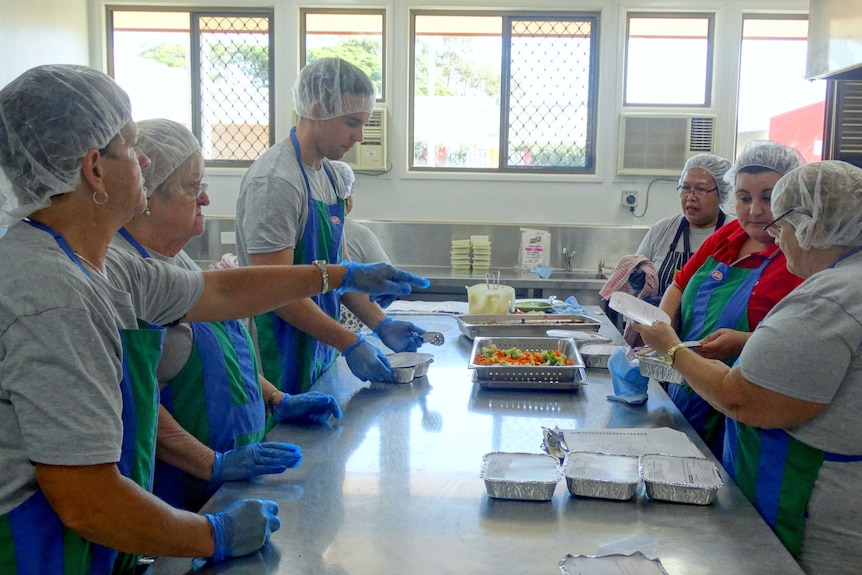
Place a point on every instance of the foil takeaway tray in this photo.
(680, 479)
(651, 366)
(533, 377)
(600, 475)
(517, 325)
(613, 563)
(598, 355)
(407, 366)
(524, 476)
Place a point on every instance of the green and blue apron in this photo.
(674, 260)
(33, 540)
(777, 473)
(716, 297)
(291, 359)
(216, 397)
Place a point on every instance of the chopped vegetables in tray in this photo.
(514, 356)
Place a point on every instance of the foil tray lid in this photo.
(680, 471)
(601, 467)
(520, 467)
(611, 564)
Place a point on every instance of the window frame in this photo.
(710, 57)
(195, 14)
(507, 17)
(303, 12)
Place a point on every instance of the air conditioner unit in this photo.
(660, 144)
(370, 154)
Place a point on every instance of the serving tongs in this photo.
(492, 280)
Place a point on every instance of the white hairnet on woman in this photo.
(347, 176)
(827, 201)
(716, 166)
(45, 132)
(765, 154)
(331, 87)
(168, 144)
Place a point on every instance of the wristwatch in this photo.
(669, 354)
(321, 264)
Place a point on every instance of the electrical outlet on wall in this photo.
(629, 199)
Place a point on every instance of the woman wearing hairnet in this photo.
(671, 241)
(734, 279)
(78, 396)
(793, 398)
(208, 370)
(290, 210)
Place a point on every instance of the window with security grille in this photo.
(208, 70)
(503, 92)
(668, 59)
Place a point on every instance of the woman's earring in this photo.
(147, 211)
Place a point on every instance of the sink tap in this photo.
(568, 258)
(602, 267)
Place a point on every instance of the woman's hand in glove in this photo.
(399, 335)
(367, 362)
(309, 407)
(379, 279)
(253, 460)
(243, 527)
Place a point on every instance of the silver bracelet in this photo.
(321, 264)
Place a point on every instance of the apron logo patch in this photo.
(335, 220)
(717, 275)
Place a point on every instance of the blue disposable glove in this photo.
(309, 407)
(253, 460)
(367, 362)
(629, 385)
(378, 281)
(399, 335)
(243, 527)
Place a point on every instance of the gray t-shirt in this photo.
(272, 207)
(810, 347)
(362, 245)
(659, 236)
(61, 355)
(178, 338)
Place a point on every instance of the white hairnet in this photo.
(765, 154)
(168, 144)
(347, 176)
(830, 194)
(716, 166)
(331, 87)
(49, 117)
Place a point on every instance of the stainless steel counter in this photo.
(394, 487)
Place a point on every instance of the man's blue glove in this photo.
(378, 280)
(367, 362)
(309, 407)
(399, 335)
(629, 385)
(253, 460)
(243, 527)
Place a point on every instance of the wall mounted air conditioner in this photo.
(659, 144)
(370, 154)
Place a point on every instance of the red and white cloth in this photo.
(619, 281)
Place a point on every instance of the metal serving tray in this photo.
(520, 325)
(533, 377)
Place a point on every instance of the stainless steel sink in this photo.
(575, 275)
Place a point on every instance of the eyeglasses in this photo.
(197, 189)
(772, 228)
(685, 191)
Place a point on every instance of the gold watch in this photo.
(669, 354)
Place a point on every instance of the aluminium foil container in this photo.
(651, 366)
(636, 563)
(407, 366)
(598, 355)
(601, 476)
(680, 479)
(523, 476)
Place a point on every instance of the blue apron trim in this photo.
(774, 445)
(35, 522)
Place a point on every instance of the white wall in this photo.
(51, 30)
(34, 32)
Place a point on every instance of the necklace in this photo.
(94, 268)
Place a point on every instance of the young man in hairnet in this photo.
(290, 211)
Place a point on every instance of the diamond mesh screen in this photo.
(235, 87)
(549, 94)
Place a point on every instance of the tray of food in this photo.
(600, 475)
(525, 324)
(526, 476)
(541, 363)
(680, 479)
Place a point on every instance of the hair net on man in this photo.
(827, 201)
(716, 167)
(331, 87)
(765, 154)
(49, 117)
(168, 144)
(346, 174)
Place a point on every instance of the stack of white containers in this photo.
(460, 255)
(480, 254)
